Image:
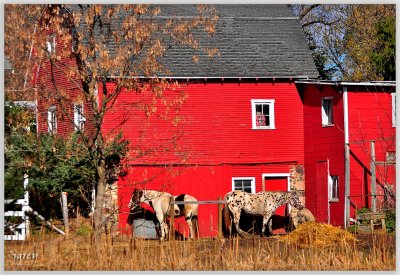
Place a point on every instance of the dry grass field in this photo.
(48, 251)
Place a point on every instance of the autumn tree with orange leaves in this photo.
(84, 35)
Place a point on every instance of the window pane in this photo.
(327, 116)
(265, 109)
(244, 185)
(258, 108)
(247, 189)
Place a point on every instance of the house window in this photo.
(333, 188)
(393, 110)
(52, 120)
(51, 43)
(327, 111)
(245, 184)
(79, 119)
(263, 114)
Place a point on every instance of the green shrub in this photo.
(84, 230)
(390, 221)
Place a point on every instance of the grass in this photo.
(372, 252)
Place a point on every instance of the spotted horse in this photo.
(262, 204)
(160, 202)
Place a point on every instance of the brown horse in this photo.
(261, 204)
(161, 201)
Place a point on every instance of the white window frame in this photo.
(52, 119)
(330, 188)
(252, 179)
(79, 118)
(271, 103)
(51, 43)
(324, 115)
(393, 109)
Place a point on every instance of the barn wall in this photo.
(210, 135)
(47, 91)
(370, 118)
(323, 144)
(213, 126)
(204, 182)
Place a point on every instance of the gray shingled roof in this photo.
(253, 41)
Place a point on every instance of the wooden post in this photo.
(373, 177)
(64, 204)
(220, 218)
(171, 219)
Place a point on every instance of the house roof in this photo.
(254, 41)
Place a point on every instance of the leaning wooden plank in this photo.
(29, 210)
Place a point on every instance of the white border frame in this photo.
(271, 102)
(253, 183)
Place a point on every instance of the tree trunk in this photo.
(98, 209)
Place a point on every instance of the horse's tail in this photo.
(227, 217)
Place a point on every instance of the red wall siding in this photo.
(215, 137)
(216, 125)
(202, 182)
(370, 118)
(46, 93)
(323, 144)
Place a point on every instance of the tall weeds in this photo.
(123, 253)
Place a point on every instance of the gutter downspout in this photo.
(347, 159)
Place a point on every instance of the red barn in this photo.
(354, 120)
(252, 118)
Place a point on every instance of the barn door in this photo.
(322, 191)
(278, 182)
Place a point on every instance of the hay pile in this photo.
(313, 234)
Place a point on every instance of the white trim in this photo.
(346, 115)
(347, 156)
(253, 183)
(337, 83)
(271, 103)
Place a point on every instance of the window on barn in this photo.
(52, 120)
(393, 109)
(245, 184)
(79, 119)
(263, 113)
(333, 188)
(51, 43)
(327, 111)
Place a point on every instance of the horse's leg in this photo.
(161, 222)
(188, 219)
(236, 219)
(267, 220)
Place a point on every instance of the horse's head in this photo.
(295, 200)
(136, 198)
